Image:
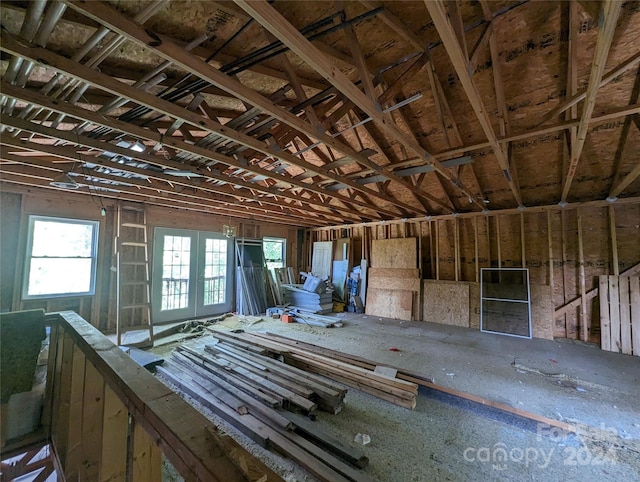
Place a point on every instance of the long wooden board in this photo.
(605, 324)
(625, 316)
(634, 288)
(614, 312)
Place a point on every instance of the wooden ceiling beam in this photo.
(395, 24)
(618, 185)
(85, 142)
(36, 179)
(141, 133)
(34, 167)
(167, 49)
(73, 155)
(93, 77)
(271, 19)
(361, 66)
(611, 12)
(618, 70)
(438, 13)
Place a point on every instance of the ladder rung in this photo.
(133, 243)
(132, 307)
(125, 329)
(134, 263)
(134, 225)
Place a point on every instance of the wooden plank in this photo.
(73, 460)
(446, 303)
(264, 395)
(611, 12)
(438, 12)
(407, 402)
(115, 427)
(614, 303)
(92, 427)
(62, 394)
(199, 379)
(189, 452)
(397, 253)
(266, 374)
(592, 293)
(613, 239)
(390, 304)
(584, 322)
(327, 441)
(605, 326)
(146, 460)
(328, 361)
(634, 288)
(273, 21)
(625, 316)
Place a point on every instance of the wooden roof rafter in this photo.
(610, 11)
(279, 26)
(84, 142)
(438, 12)
(138, 132)
(164, 47)
(118, 88)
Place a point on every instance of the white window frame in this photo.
(284, 248)
(28, 257)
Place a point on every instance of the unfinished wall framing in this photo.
(565, 250)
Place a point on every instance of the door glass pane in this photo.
(215, 271)
(176, 261)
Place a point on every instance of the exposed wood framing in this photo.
(438, 13)
(279, 26)
(611, 12)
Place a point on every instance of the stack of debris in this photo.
(391, 385)
(314, 296)
(257, 394)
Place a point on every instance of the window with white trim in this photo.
(61, 257)
(274, 252)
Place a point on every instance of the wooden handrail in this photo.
(110, 419)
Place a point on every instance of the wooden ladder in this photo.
(133, 286)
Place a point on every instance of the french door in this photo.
(192, 274)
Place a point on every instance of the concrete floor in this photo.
(446, 438)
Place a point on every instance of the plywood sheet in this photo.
(446, 303)
(394, 272)
(541, 311)
(393, 283)
(390, 304)
(394, 253)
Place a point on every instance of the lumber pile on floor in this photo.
(351, 372)
(243, 385)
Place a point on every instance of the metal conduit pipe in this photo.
(119, 102)
(27, 32)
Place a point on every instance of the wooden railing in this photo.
(110, 419)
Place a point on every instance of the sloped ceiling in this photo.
(324, 113)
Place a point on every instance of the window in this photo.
(61, 257)
(274, 253)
